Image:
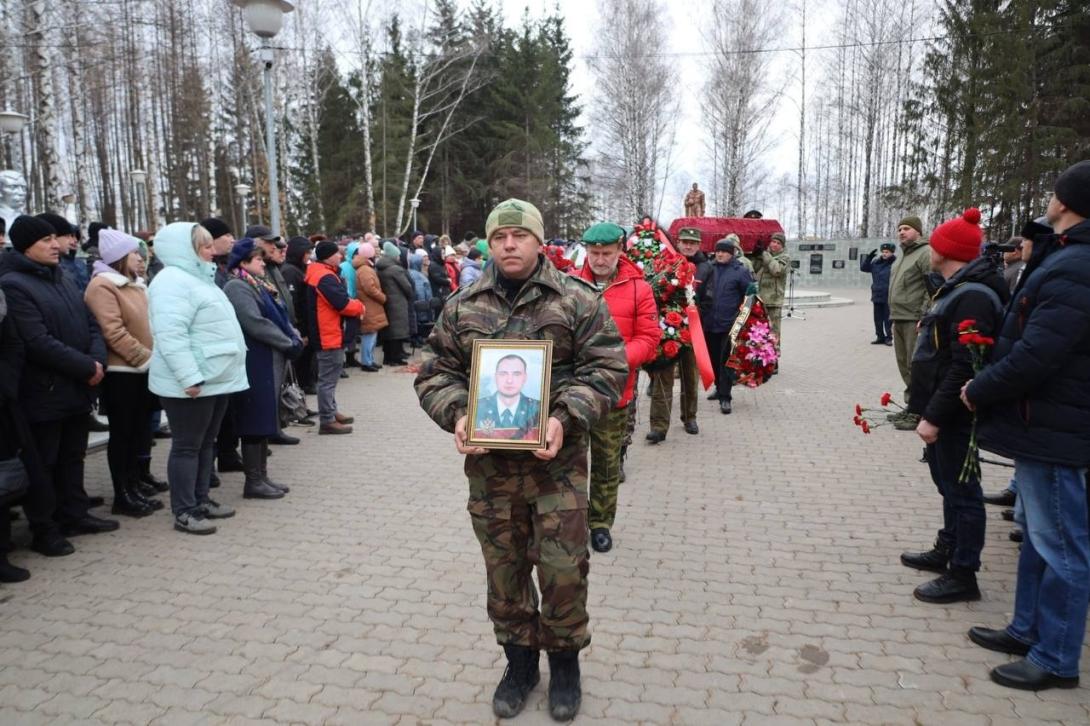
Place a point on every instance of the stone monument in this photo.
(694, 202)
(12, 195)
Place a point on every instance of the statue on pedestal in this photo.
(694, 202)
(13, 192)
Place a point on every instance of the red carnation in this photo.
(866, 427)
(671, 348)
(965, 325)
(673, 318)
(858, 410)
(858, 421)
(886, 398)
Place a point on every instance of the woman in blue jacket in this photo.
(198, 360)
(879, 268)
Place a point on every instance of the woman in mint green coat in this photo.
(198, 360)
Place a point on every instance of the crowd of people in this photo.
(222, 337)
(215, 332)
(993, 344)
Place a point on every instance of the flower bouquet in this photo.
(555, 253)
(979, 347)
(670, 276)
(753, 356)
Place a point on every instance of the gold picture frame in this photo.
(504, 377)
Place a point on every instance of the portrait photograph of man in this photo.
(510, 386)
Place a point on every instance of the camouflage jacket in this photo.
(589, 367)
(773, 277)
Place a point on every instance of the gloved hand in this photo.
(873, 252)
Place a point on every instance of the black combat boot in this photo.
(957, 585)
(565, 693)
(934, 560)
(600, 539)
(518, 680)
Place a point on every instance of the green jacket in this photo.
(773, 278)
(589, 367)
(908, 298)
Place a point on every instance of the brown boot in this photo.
(334, 427)
(342, 419)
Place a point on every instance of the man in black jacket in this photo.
(295, 273)
(1034, 403)
(65, 359)
(941, 364)
(719, 299)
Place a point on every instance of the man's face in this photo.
(936, 260)
(603, 259)
(335, 259)
(1054, 211)
(69, 242)
(723, 256)
(775, 246)
(46, 251)
(515, 251)
(886, 254)
(1011, 257)
(688, 247)
(510, 377)
(694, 186)
(1027, 249)
(418, 241)
(221, 246)
(907, 234)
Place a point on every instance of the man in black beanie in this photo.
(222, 242)
(68, 237)
(65, 360)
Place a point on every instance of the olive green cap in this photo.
(604, 233)
(515, 213)
(691, 233)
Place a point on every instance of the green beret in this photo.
(691, 233)
(604, 233)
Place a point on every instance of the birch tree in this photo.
(638, 101)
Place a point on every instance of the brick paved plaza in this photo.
(754, 579)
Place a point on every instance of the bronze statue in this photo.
(694, 202)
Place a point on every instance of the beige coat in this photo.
(369, 292)
(121, 307)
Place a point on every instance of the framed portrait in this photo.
(509, 393)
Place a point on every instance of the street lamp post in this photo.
(241, 190)
(11, 123)
(415, 205)
(266, 18)
(139, 177)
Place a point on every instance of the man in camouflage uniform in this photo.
(772, 279)
(662, 379)
(530, 508)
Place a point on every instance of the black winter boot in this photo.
(518, 680)
(565, 693)
(147, 499)
(148, 478)
(934, 560)
(253, 459)
(127, 502)
(957, 585)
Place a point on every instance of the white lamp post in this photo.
(265, 18)
(241, 190)
(11, 123)
(139, 177)
(415, 205)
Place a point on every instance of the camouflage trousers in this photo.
(632, 409)
(662, 391)
(526, 513)
(775, 317)
(606, 439)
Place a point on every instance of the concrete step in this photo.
(804, 299)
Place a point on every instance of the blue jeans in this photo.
(1053, 588)
(367, 348)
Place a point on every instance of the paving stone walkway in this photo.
(755, 580)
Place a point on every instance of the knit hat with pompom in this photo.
(959, 239)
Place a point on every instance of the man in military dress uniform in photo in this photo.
(530, 507)
(507, 414)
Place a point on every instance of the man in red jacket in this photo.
(632, 305)
(327, 303)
